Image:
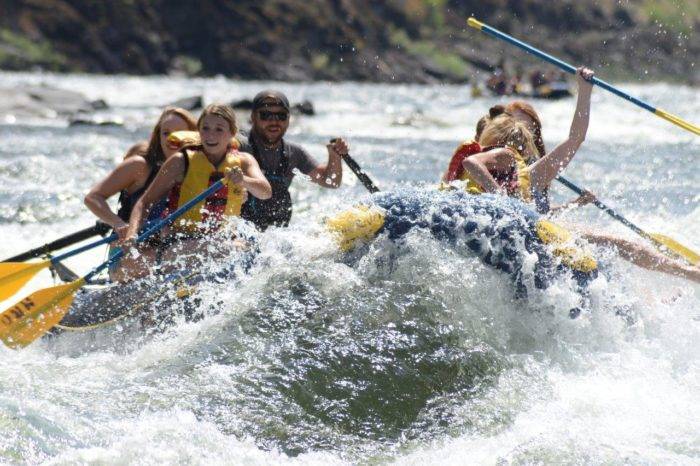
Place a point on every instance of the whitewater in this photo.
(412, 353)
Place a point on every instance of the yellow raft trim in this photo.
(354, 225)
(570, 254)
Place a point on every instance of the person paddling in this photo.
(633, 252)
(130, 179)
(192, 170)
(279, 158)
(503, 126)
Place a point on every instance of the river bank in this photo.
(359, 40)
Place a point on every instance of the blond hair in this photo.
(504, 130)
(223, 111)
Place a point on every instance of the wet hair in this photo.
(223, 111)
(504, 130)
(529, 110)
(484, 120)
(153, 153)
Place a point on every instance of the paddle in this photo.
(36, 314)
(664, 243)
(361, 175)
(14, 275)
(98, 229)
(570, 69)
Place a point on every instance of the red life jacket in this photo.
(455, 170)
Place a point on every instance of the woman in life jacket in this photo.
(130, 179)
(544, 167)
(632, 252)
(191, 171)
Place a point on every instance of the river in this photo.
(307, 360)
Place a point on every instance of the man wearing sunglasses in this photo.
(278, 159)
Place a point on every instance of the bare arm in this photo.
(331, 174)
(129, 175)
(251, 177)
(584, 199)
(479, 166)
(548, 167)
(172, 171)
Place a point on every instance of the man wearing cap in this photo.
(278, 159)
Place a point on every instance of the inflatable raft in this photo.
(503, 232)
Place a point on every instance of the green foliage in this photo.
(189, 65)
(319, 61)
(17, 51)
(450, 63)
(677, 15)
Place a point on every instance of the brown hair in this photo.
(486, 119)
(529, 110)
(504, 130)
(154, 151)
(223, 111)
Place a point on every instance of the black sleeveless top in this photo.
(277, 210)
(127, 201)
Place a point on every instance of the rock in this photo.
(19, 104)
(189, 103)
(41, 102)
(243, 104)
(99, 104)
(95, 122)
(60, 100)
(304, 108)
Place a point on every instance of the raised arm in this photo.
(172, 171)
(251, 177)
(331, 174)
(548, 167)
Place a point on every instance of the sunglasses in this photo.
(278, 116)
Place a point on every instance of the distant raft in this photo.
(501, 231)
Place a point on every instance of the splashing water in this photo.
(413, 351)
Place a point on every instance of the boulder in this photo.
(42, 102)
(189, 103)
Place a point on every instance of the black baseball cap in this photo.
(270, 98)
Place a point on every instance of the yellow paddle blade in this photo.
(674, 246)
(33, 316)
(14, 275)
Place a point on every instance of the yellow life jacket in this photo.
(200, 175)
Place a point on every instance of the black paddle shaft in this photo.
(362, 176)
(98, 229)
(606, 209)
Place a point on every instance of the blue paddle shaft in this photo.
(565, 66)
(87, 247)
(157, 226)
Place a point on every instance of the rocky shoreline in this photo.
(363, 40)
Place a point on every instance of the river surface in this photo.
(426, 357)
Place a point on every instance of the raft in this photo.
(151, 300)
(503, 232)
(552, 91)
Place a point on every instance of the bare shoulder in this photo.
(139, 149)
(246, 158)
(134, 164)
